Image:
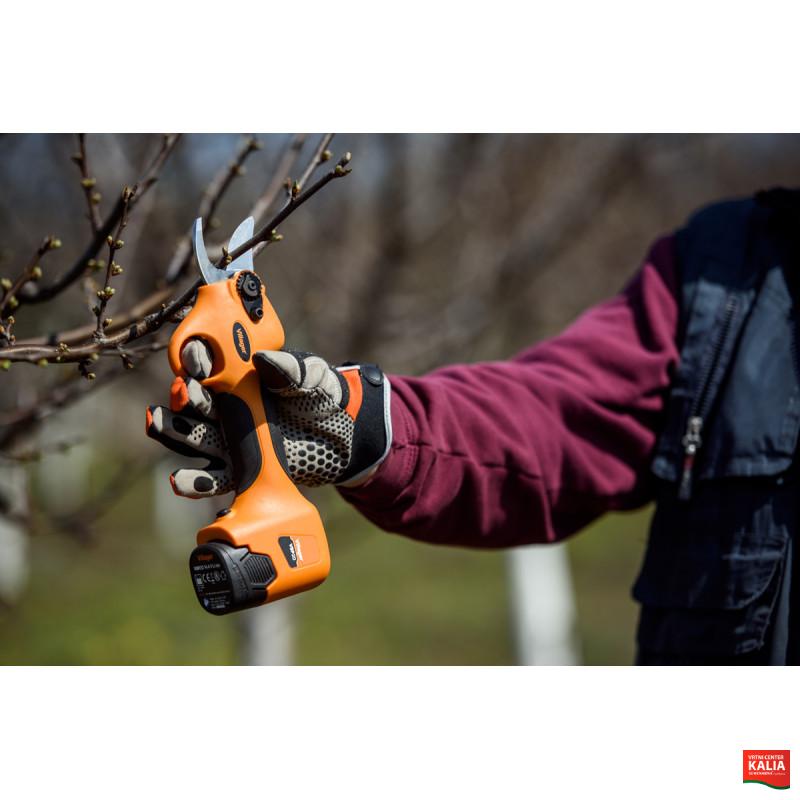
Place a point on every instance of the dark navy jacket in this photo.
(715, 586)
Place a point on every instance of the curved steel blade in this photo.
(211, 274)
(241, 235)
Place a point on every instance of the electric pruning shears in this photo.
(270, 542)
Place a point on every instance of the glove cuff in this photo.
(372, 433)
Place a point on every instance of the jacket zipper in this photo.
(692, 439)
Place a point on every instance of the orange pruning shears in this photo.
(270, 542)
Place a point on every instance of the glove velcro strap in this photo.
(368, 405)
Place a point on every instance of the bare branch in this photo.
(88, 184)
(268, 233)
(211, 199)
(79, 267)
(31, 273)
(63, 353)
(113, 269)
(320, 156)
(168, 143)
(287, 160)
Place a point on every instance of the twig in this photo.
(79, 267)
(153, 172)
(320, 156)
(31, 273)
(78, 522)
(287, 160)
(29, 456)
(64, 353)
(268, 233)
(88, 183)
(112, 269)
(211, 199)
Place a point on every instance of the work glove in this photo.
(334, 423)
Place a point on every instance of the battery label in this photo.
(211, 583)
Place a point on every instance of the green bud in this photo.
(5, 283)
(87, 183)
(54, 244)
(5, 365)
(42, 362)
(119, 244)
(96, 197)
(36, 273)
(109, 240)
(13, 302)
(90, 376)
(94, 356)
(326, 155)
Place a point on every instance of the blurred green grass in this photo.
(126, 599)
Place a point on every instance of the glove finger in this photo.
(187, 393)
(207, 482)
(291, 374)
(185, 434)
(196, 358)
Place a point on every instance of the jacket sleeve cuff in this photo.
(382, 488)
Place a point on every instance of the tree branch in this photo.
(268, 233)
(88, 183)
(112, 269)
(63, 353)
(288, 158)
(79, 267)
(211, 199)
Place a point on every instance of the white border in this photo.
(390, 733)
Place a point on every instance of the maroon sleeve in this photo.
(534, 448)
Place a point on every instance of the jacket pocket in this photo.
(713, 567)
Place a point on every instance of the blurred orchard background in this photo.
(435, 249)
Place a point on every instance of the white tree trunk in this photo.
(542, 605)
(267, 634)
(13, 537)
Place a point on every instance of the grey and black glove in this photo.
(334, 423)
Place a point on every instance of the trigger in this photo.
(196, 358)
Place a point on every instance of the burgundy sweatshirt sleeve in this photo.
(534, 448)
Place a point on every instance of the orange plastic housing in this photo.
(272, 506)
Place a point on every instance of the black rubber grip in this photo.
(242, 440)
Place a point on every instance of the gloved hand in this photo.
(335, 424)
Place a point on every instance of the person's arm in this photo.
(534, 448)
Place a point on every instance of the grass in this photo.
(127, 599)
